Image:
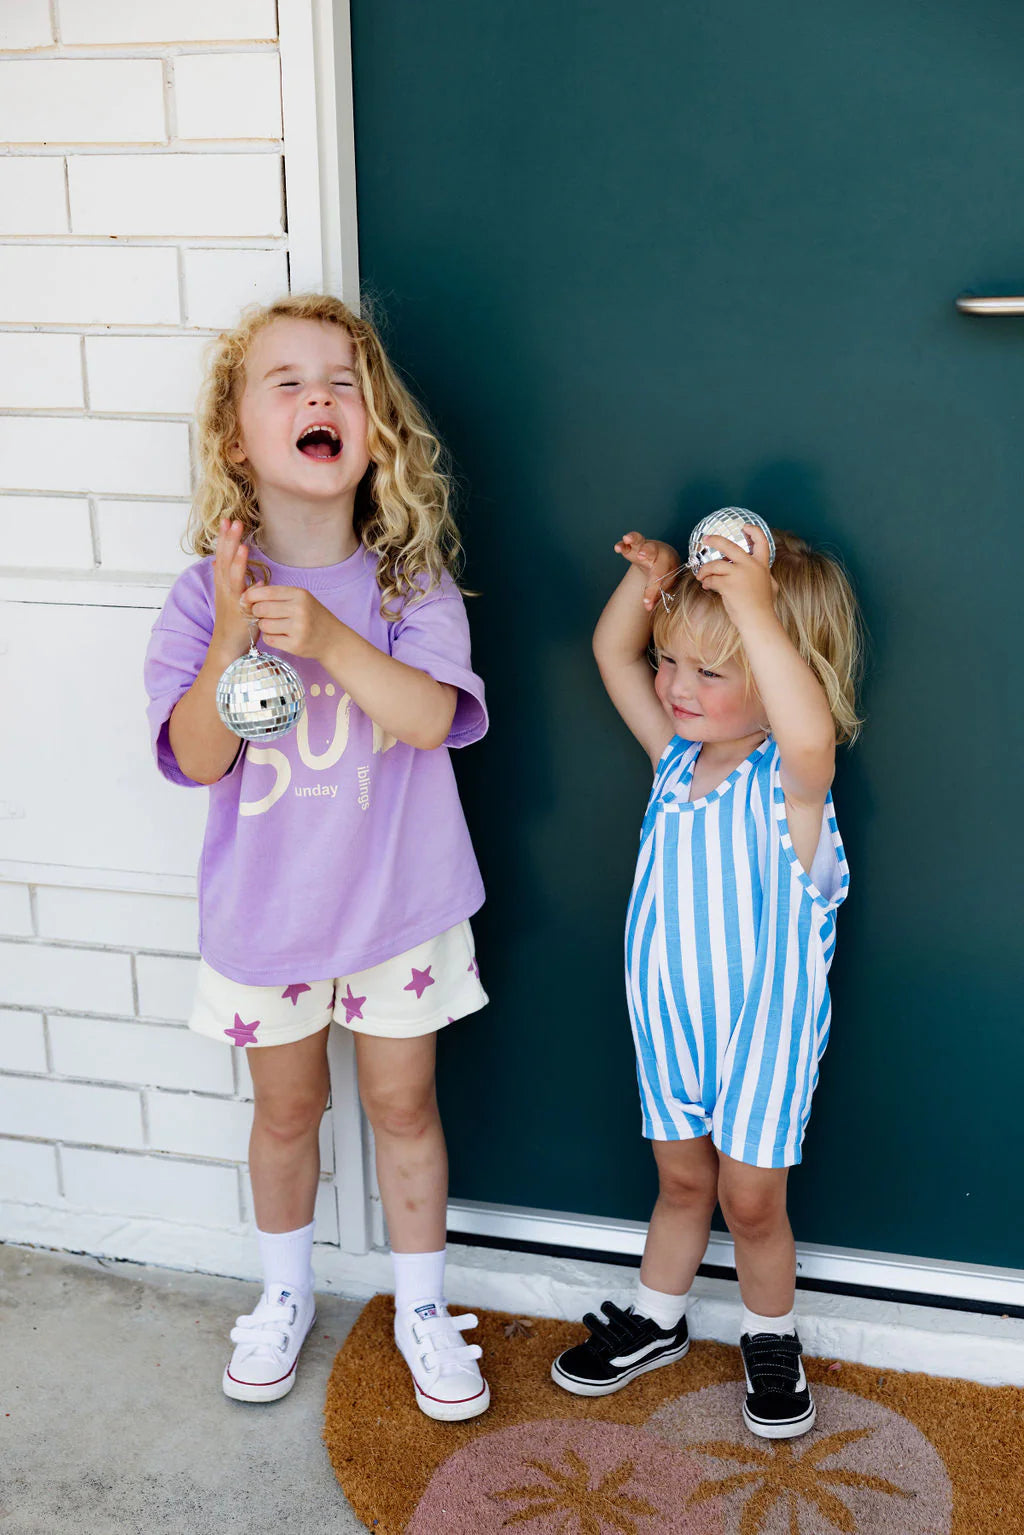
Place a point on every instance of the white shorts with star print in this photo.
(417, 992)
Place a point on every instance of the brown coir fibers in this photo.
(891, 1453)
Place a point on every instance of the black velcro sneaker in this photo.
(621, 1346)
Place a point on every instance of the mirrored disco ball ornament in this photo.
(727, 522)
(260, 697)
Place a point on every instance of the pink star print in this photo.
(353, 1005)
(243, 1033)
(421, 979)
(473, 967)
(293, 992)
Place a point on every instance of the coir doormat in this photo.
(891, 1453)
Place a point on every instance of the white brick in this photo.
(199, 1127)
(32, 198)
(166, 986)
(143, 535)
(136, 374)
(70, 1111)
(120, 920)
(94, 101)
(219, 284)
(228, 96)
(28, 1173)
(140, 1054)
(155, 1187)
(15, 906)
(39, 372)
(25, 24)
(196, 194)
(65, 453)
(22, 1043)
(45, 532)
(167, 21)
(74, 980)
(82, 285)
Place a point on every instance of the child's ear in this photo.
(236, 453)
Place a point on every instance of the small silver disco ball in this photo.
(727, 522)
(260, 697)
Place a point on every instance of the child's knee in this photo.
(755, 1212)
(687, 1187)
(405, 1115)
(291, 1118)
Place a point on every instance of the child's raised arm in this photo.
(794, 700)
(202, 744)
(623, 635)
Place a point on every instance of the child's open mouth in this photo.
(320, 442)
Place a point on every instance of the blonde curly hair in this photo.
(402, 511)
(815, 605)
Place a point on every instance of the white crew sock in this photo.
(418, 1276)
(753, 1323)
(666, 1310)
(287, 1258)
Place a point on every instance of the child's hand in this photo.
(743, 581)
(654, 559)
(292, 620)
(230, 563)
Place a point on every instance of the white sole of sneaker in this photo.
(588, 1388)
(791, 1430)
(272, 1391)
(453, 1412)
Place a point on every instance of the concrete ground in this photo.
(112, 1420)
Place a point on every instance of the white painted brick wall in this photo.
(166, 21)
(82, 453)
(143, 535)
(25, 24)
(141, 209)
(189, 194)
(40, 372)
(140, 1054)
(33, 198)
(22, 1042)
(45, 532)
(166, 986)
(218, 282)
(110, 917)
(95, 101)
(72, 285)
(15, 911)
(70, 1111)
(28, 1172)
(163, 1188)
(228, 96)
(39, 975)
(140, 374)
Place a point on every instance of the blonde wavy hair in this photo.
(402, 512)
(816, 607)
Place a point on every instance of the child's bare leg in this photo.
(753, 1201)
(291, 1084)
(678, 1233)
(396, 1084)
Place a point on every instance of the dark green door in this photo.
(642, 261)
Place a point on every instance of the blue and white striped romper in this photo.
(728, 946)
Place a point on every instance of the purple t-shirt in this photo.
(335, 847)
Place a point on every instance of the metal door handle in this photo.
(970, 303)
